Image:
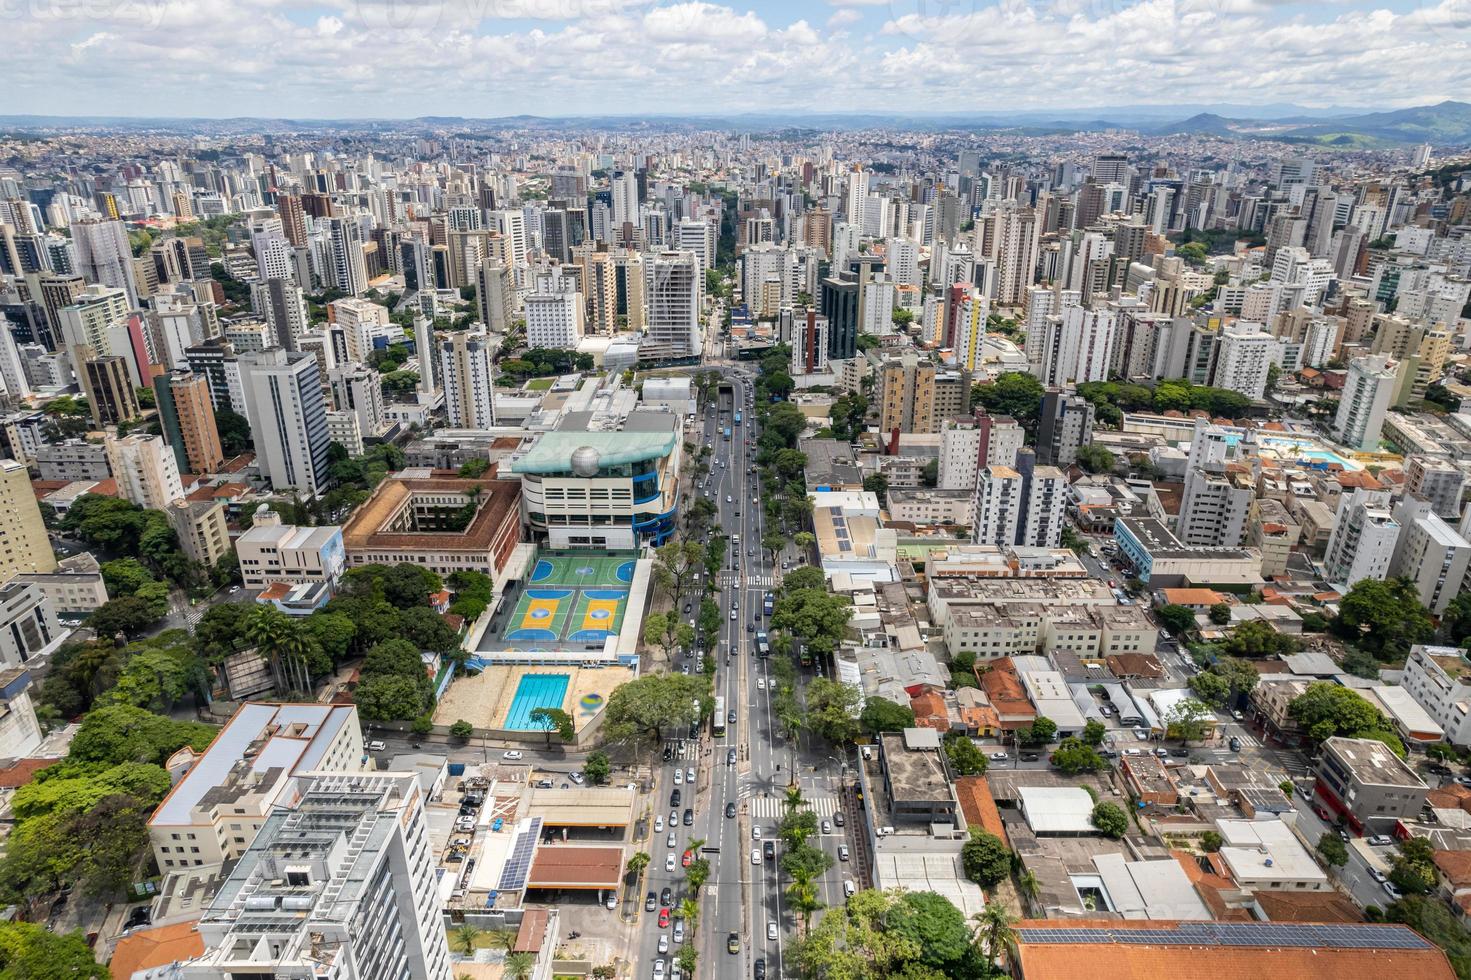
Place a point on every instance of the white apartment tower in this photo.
(673, 285)
(288, 417)
(1368, 391)
(464, 365)
(146, 470)
(998, 506)
(1246, 355)
(345, 240)
(554, 313)
(1363, 539)
(338, 883)
(1047, 491)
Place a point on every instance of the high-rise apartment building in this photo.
(969, 444)
(1046, 508)
(554, 312)
(1363, 539)
(145, 470)
(494, 294)
(108, 387)
(907, 395)
(1430, 554)
(288, 417)
(998, 506)
(293, 219)
(1437, 481)
(1245, 357)
(465, 370)
(339, 882)
(349, 271)
(1368, 393)
(1064, 425)
(673, 288)
(103, 254)
(24, 546)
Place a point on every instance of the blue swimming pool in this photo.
(536, 691)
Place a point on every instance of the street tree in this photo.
(986, 860)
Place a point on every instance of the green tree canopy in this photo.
(1110, 820)
(1177, 619)
(1327, 709)
(986, 860)
(964, 757)
(882, 715)
(656, 703)
(1384, 618)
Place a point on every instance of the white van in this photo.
(848, 888)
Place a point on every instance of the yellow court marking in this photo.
(600, 614)
(541, 614)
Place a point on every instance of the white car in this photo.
(760, 683)
(576, 777)
(376, 746)
(658, 968)
(732, 614)
(689, 776)
(771, 932)
(755, 831)
(999, 757)
(727, 498)
(678, 777)
(512, 755)
(669, 843)
(659, 826)
(669, 863)
(755, 855)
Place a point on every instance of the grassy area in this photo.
(540, 384)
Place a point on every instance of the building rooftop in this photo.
(1372, 762)
(379, 523)
(576, 866)
(1135, 949)
(553, 452)
(1266, 850)
(1057, 809)
(914, 774)
(259, 737)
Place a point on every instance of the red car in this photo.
(663, 918)
(688, 857)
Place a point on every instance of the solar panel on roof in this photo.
(518, 862)
(1238, 934)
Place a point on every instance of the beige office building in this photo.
(24, 546)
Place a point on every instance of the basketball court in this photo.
(564, 570)
(572, 597)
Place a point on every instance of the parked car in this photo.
(376, 746)
(511, 756)
(755, 855)
(999, 756)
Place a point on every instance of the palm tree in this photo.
(503, 938)
(695, 844)
(689, 911)
(995, 929)
(794, 799)
(1028, 884)
(466, 936)
(803, 896)
(519, 966)
(638, 862)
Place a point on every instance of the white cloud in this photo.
(390, 57)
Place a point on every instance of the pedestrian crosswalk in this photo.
(775, 807)
(765, 581)
(1249, 741)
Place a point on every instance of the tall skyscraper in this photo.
(104, 255)
(188, 419)
(673, 287)
(293, 219)
(554, 312)
(625, 200)
(1368, 392)
(24, 546)
(288, 417)
(337, 883)
(464, 360)
(349, 273)
(998, 506)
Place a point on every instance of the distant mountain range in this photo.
(1448, 123)
(1443, 125)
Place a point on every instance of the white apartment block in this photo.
(146, 470)
(1363, 539)
(1368, 392)
(1430, 553)
(554, 314)
(1245, 355)
(998, 506)
(1047, 492)
(225, 794)
(1439, 679)
(465, 371)
(673, 291)
(339, 883)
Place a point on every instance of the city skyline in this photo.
(492, 58)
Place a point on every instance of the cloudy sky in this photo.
(397, 58)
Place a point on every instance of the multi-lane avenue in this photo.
(741, 775)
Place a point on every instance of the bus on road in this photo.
(727, 433)
(717, 720)
(737, 418)
(763, 646)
